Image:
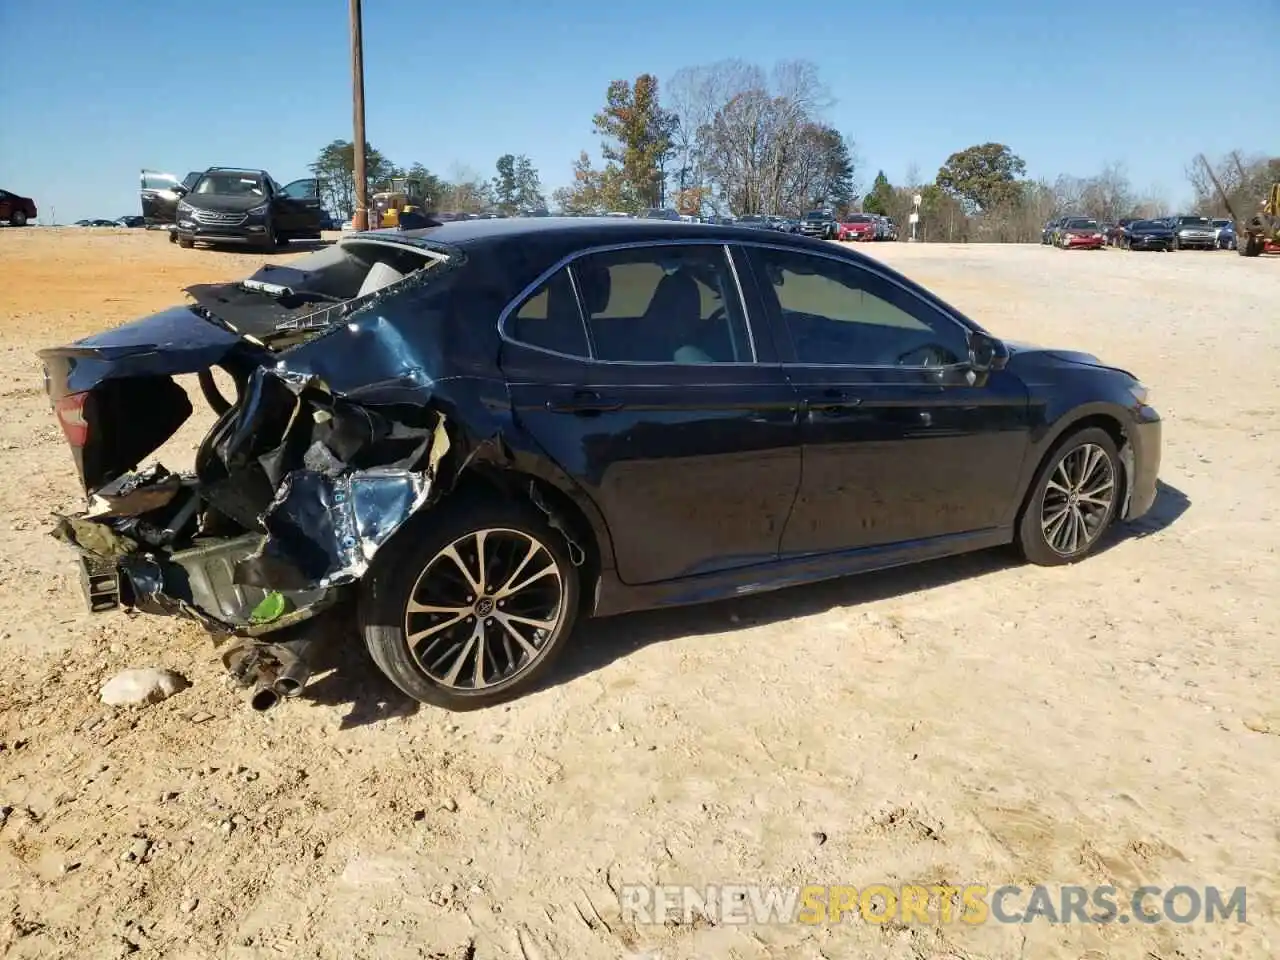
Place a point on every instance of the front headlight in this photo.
(260, 210)
(1140, 393)
(184, 207)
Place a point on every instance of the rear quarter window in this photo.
(549, 319)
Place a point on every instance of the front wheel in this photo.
(469, 608)
(1073, 500)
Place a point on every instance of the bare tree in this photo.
(1109, 195)
(760, 143)
(1245, 179)
(694, 95)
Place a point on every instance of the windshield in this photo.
(1222, 223)
(231, 184)
(1147, 225)
(1193, 221)
(857, 218)
(1081, 224)
(815, 215)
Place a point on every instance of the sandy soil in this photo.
(970, 720)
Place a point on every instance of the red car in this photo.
(1081, 233)
(856, 226)
(19, 211)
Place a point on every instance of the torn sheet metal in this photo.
(325, 526)
(133, 494)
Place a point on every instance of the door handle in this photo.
(584, 402)
(831, 403)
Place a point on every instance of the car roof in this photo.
(585, 231)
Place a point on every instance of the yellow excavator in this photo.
(401, 201)
(1258, 232)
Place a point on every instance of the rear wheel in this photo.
(470, 608)
(1072, 501)
(1250, 247)
(18, 218)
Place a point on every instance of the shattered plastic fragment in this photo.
(272, 607)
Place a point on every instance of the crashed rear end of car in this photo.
(335, 437)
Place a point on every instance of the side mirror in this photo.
(986, 353)
(180, 190)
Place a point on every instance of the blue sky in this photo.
(101, 89)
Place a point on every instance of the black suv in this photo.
(233, 205)
(819, 223)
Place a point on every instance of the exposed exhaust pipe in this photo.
(263, 698)
(274, 670)
(292, 679)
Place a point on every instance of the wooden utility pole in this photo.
(360, 215)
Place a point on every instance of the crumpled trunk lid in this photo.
(114, 394)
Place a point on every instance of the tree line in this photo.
(731, 138)
(515, 187)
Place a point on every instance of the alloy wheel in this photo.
(483, 609)
(1078, 499)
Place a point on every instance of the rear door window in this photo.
(663, 304)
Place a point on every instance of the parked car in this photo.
(16, 210)
(1116, 233)
(1080, 233)
(754, 222)
(1219, 225)
(478, 433)
(819, 223)
(1047, 235)
(246, 206)
(857, 226)
(159, 196)
(1147, 235)
(1193, 233)
(890, 229)
(131, 221)
(1226, 230)
(660, 213)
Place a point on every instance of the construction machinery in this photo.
(1257, 232)
(401, 201)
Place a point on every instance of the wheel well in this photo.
(1101, 420)
(481, 482)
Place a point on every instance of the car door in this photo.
(300, 203)
(901, 442)
(159, 196)
(636, 369)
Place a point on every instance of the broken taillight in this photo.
(70, 411)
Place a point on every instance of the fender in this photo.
(1048, 434)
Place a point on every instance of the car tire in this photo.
(1056, 499)
(18, 218)
(422, 564)
(186, 243)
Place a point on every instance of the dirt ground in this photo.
(966, 721)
